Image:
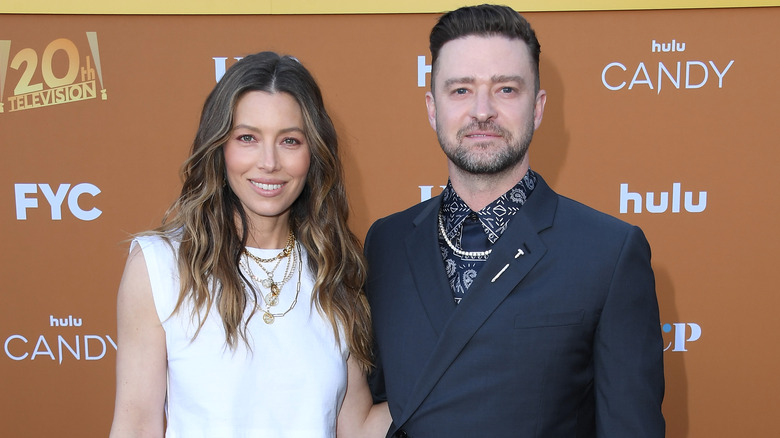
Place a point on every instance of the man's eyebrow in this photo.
(495, 79)
(457, 81)
(508, 78)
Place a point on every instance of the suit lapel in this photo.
(505, 269)
(425, 263)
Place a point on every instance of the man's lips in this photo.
(482, 134)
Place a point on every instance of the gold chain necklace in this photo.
(272, 298)
(269, 317)
(288, 248)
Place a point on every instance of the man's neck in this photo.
(478, 191)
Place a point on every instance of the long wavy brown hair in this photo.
(203, 220)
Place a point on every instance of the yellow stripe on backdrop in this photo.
(227, 7)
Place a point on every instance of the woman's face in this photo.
(266, 156)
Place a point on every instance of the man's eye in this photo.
(507, 90)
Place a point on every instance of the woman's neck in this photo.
(269, 233)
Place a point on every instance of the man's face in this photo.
(484, 109)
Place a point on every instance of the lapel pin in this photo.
(520, 252)
(499, 273)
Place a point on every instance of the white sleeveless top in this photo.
(290, 384)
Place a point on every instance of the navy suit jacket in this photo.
(565, 342)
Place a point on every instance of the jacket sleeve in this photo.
(628, 349)
(376, 378)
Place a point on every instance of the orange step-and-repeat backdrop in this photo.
(663, 118)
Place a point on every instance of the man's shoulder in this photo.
(571, 212)
(577, 210)
(580, 224)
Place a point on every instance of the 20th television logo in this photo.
(65, 78)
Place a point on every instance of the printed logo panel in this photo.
(689, 74)
(73, 341)
(68, 74)
(28, 197)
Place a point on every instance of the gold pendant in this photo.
(268, 318)
(271, 299)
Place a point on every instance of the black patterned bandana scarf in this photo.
(473, 233)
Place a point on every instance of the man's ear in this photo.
(541, 100)
(430, 104)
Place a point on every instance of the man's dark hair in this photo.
(483, 20)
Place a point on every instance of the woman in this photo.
(243, 314)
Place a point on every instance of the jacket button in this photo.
(401, 434)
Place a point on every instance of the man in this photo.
(500, 308)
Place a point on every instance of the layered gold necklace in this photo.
(271, 299)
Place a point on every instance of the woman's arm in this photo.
(359, 417)
(141, 363)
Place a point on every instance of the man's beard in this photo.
(499, 160)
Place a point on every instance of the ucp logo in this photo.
(683, 333)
